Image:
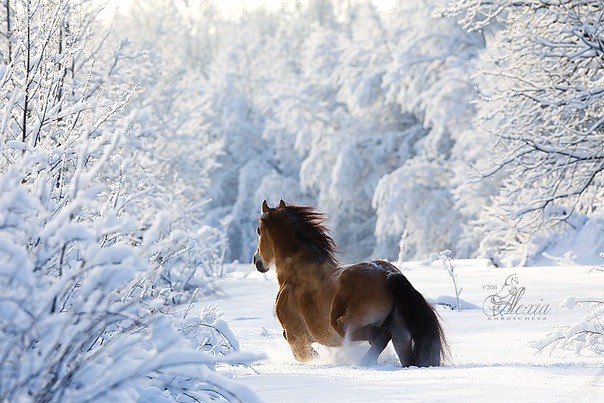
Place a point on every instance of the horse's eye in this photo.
(258, 230)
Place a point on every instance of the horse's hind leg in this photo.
(401, 339)
(378, 338)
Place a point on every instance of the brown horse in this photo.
(321, 301)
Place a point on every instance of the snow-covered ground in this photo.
(492, 359)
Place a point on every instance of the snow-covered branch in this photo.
(587, 334)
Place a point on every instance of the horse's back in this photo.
(366, 276)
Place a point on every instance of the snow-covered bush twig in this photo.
(445, 257)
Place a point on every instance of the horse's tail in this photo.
(428, 344)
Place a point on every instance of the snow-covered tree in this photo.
(340, 93)
(430, 79)
(372, 137)
(340, 104)
(177, 152)
(541, 95)
(232, 117)
(417, 185)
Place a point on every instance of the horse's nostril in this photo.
(259, 264)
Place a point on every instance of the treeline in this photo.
(461, 125)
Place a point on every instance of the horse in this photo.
(321, 301)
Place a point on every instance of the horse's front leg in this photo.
(294, 328)
(300, 344)
(297, 336)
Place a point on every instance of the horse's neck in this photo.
(298, 271)
(288, 269)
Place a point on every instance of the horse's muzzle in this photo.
(259, 264)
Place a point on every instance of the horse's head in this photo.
(295, 233)
(265, 254)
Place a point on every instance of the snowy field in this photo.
(492, 359)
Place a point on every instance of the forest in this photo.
(138, 143)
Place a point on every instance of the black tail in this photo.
(429, 347)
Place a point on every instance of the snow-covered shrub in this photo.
(578, 242)
(587, 334)
(182, 263)
(73, 325)
(82, 218)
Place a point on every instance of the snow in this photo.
(569, 302)
(492, 359)
(581, 245)
(110, 234)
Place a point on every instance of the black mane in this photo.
(307, 224)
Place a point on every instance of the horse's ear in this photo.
(265, 207)
(281, 204)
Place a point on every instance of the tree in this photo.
(430, 79)
(418, 185)
(167, 111)
(541, 96)
(6, 45)
(232, 116)
(334, 97)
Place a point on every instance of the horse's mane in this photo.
(307, 225)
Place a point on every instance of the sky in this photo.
(233, 9)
